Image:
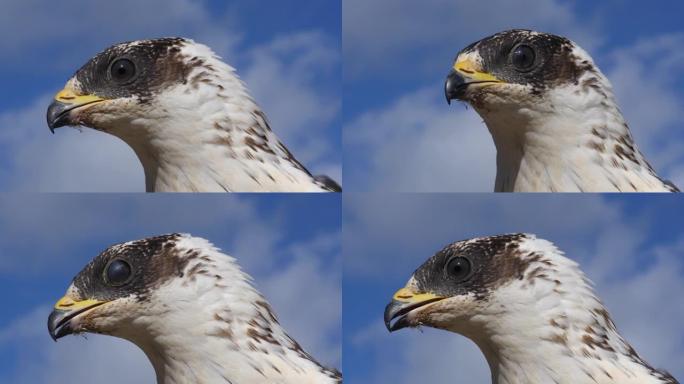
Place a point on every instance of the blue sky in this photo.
(400, 134)
(288, 53)
(630, 246)
(290, 244)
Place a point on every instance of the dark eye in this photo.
(117, 272)
(458, 268)
(122, 71)
(522, 57)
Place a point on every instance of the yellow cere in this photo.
(408, 296)
(68, 96)
(472, 71)
(67, 303)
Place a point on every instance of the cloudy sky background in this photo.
(400, 134)
(631, 246)
(291, 245)
(288, 53)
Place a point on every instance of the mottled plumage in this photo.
(530, 310)
(192, 311)
(187, 116)
(552, 114)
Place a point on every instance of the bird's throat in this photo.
(217, 165)
(576, 148)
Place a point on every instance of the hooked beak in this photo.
(59, 321)
(403, 302)
(464, 74)
(58, 113)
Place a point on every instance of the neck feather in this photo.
(212, 326)
(569, 140)
(562, 332)
(233, 350)
(233, 160)
(213, 138)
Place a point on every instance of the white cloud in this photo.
(647, 305)
(101, 359)
(422, 356)
(419, 144)
(640, 281)
(69, 161)
(642, 76)
(283, 76)
(310, 288)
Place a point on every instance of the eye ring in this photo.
(523, 57)
(117, 272)
(459, 268)
(122, 71)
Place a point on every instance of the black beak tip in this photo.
(454, 87)
(400, 323)
(57, 115)
(388, 316)
(392, 311)
(58, 325)
(388, 325)
(446, 91)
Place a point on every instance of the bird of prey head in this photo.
(191, 310)
(186, 114)
(552, 115)
(530, 309)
